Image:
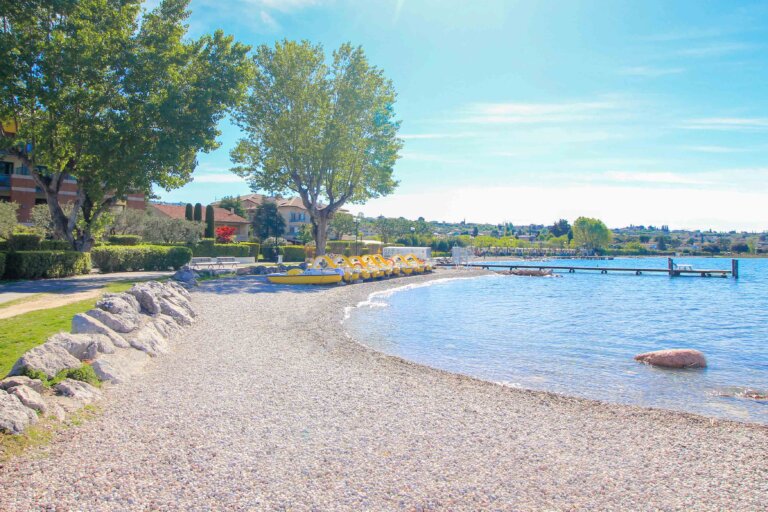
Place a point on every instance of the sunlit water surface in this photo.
(577, 334)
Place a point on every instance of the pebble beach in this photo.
(267, 403)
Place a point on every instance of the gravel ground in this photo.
(266, 404)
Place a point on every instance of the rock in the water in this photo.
(29, 397)
(674, 358)
(123, 322)
(83, 346)
(84, 324)
(120, 366)
(119, 303)
(48, 358)
(22, 380)
(15, 417)
(78, 390)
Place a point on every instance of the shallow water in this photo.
(577, 334)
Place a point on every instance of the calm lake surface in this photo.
(577, 334)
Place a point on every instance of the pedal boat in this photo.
(373, 270)
(403, 265)
(309, 276)
(419, 265)
(352, 273)
(378, 261)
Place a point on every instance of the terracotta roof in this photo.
(220, 215)
(296, 202)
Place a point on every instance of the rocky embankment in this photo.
(116, 339)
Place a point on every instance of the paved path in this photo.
(266, 404)
(21, 289)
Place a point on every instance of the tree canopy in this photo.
(325, 131)
(118, 102)
(267, 221)
(591, 234)
(234, 204)
(343, 224)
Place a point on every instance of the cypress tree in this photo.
(210, 230)
(198, 215)
(188, 212)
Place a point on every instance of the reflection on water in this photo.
(578, 334)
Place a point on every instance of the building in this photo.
(221, 217)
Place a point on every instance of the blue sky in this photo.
(651, 112)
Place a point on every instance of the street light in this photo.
(357, 233)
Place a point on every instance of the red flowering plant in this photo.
(225, 234)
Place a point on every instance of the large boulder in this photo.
(48, 358)
(120, 366)
(176, 311)
(146, 295)
(83, 346)
(30, 398)
(674, 358)
(165, 325)
(22, 380)
(119, 303)
(123, 322)
(85, 324)
(78, 390)
(186, 276)
(15, 417)
(149, 340)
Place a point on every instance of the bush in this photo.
(213, 250)
(140, 257)
(24, 242)
(55, 245)
(225, 234)
(254, 247)
(85, 373)
(2, 264)
(124, 239)
(293, 253)
(46, 264)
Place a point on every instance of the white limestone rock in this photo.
(120, 366)
(30, 398)
(78, 390)
(15, 417)
(48, 358)
(121, 323)
(83, 346)
(175, 311)
(84, 324)
(119, 303)
(149, 340)
(146, 295)
(22, 380)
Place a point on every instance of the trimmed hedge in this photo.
(293, 252)
(46, 264)
(2, 264)
(140, 257)
(24, 242)
(213, 250)
(255, 248)
(55, 245)
(124, 239)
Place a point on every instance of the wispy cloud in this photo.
(650, 72)
(727, 123)
(416, 136)
(660, 178)
(713, 149)
(535, 113)
(715, 49)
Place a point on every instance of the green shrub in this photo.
(85, 373)
(2, 264)
(140, 257)
(213, 250)
(207, 242)
(254, 247)
(55, 245)
(46, 264)
(124, 239)
(293, 252)
(24, 242)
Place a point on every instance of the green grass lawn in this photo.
(23, 332)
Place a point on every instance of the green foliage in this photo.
(24, 242)
(54, 245)
(8, 222)
(164, 230)
(293, 252)
(213, 250)
(210, 222)
(234, 204)
(129, 221)
(188, 212)
(390, 228)
(740, 247)
(2, 264)
(343, 224)
(267, 221)
(560, 228)
(591, 234)
(140, 257)
(253, 248)
(119, 102)
(324, 131)
(85, 373)
(36, 374)
(46, 264)
(124, 239)
(198, 213)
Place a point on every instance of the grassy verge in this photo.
(22, 300)
(23, 332)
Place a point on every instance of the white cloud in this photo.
(534, 113)
(414, 136)
(662, 178)
(713, 149)
(727, 123)
(715, 49)
(650, 72)
(269, 21)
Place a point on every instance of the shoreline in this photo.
(268, 403)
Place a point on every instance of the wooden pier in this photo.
(672, 270)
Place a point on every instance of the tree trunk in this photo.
(320, 231)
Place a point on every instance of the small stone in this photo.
(15, 417)
(22, 380)
(674, 358)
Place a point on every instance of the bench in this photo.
(213, 263)
(226, 261)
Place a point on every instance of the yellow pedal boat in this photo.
(309, 276)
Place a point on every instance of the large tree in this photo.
(267, 221)
(116, 101)
(591, 234)
(325, 131)
(234, 204)
(343, 224)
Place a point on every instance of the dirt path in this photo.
(47, 301)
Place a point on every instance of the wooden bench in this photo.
(202, 263)
(226, 261)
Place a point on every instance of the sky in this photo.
(643, 113)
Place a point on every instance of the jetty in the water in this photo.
(673, 269)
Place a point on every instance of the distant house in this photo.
(221, 217)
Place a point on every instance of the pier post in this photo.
(735, 268)
(671, 267)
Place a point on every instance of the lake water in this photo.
(577, 334)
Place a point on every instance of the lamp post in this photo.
(357, 234)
